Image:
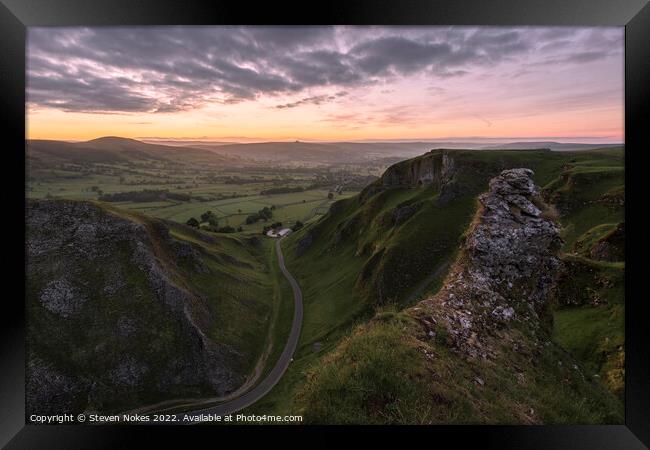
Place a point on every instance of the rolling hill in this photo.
(551, 145)
(112, 150)
(323, 152)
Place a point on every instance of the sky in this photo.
(326, 83)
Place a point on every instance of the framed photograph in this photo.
(386, 219)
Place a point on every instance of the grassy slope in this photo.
(589, 321)
(382, 373)
(238, 292)
(329, 271)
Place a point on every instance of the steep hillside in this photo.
(480, 350)
(398, 236)
(590, 196)
(393, 245)
(124, 310)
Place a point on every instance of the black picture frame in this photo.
(16, 15)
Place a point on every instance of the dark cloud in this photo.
(167, 69)
(314, 100)
(86, 94)
(396, 54)
(584, 57)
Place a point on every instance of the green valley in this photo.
(369, 252)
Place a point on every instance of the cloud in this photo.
(314, 100)
(484, 120)
(169, 69)
(86, 93)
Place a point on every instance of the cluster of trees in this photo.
(147, 195)
(282, 190)
(99, 192)
(263, 214)
(298, 225)
(239, 180)
(210, 218)
(192, 222)
(226, 229)
(211, 223)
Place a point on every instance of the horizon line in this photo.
(461, 139)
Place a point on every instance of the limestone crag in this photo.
(107, 314)
(435, 168)
(506, 271)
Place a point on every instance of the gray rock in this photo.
(402, 213)
(128, 372)
(508, 269)
(435, 168)
(60, 298)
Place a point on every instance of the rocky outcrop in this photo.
(506, 272)
(108, 316)
(437, 167)
(402, 213)
(610, 247)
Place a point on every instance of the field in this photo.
(181, 191)
(289, 208)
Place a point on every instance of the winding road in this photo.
(263, 388)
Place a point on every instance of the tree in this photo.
(266, 213)
(192, 222)
(298, 225)
(330, 195)
(210, 217)
(240, 229)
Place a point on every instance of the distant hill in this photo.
(341, 152)
(112, 149)
(556, 146)
(185, 142)
(325, 152)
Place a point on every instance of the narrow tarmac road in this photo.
(280, 367)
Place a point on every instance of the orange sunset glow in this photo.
(326, 83)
